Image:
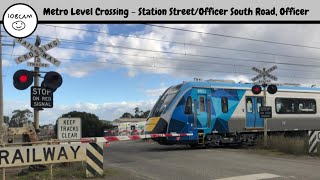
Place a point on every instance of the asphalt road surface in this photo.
(142, 160)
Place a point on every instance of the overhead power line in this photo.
(177, 68)
(231, 49)
(123, 47)
(153, 51)
(198, 45)
(202, 56)
(235, 37)
(204, 46)
(204, 62)
(185, 54)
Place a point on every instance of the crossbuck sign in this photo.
(38, 51)
(264, 73)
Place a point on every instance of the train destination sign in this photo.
(69, 128)
(41, 97)
(31, 155)
(265, 112)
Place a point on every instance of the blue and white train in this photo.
(221, 112)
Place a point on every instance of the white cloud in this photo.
(155, 92)
(6, 63)
(239, 78)
(105, 111)
(11, 105)
(69, 31)
(178, 62)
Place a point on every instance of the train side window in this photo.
(224, 104)
(295, 106)
(259, 103)
(188, 108)
(285, 105)
(201, 104)
(249, 105)
(306, 106)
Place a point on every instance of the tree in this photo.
(145, 114)
(90, 123)
(137, 112)
(127, 115)
(106, 124)
(19, 117)
(6, 119)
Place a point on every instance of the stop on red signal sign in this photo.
(41, 97)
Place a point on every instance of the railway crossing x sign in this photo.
(264, 73)
(38, 51)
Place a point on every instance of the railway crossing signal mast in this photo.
(41, 96)
(272, 89)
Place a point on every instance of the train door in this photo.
(202, 108)
(253, 119)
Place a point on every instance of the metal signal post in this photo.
(265, 125)
(36, 84)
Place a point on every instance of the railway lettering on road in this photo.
(29, 155)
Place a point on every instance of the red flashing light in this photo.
(272, 89)
(23, 78)
(52, 80)
(256, 89)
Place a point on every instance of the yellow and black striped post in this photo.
(314, 139)
(94, 159)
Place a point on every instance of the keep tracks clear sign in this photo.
(69, 128)
(31, 155)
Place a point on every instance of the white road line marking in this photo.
(252, 177)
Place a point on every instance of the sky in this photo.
(109, 69)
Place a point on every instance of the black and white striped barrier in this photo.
(94, 159)
(314, 138)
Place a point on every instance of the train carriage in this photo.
(221, 112)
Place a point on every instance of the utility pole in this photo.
(2, 132)
(1, 85)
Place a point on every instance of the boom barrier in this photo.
(108, 139)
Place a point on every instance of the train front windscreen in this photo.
(165, 100)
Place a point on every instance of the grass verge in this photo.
(60, 171)
(68, 171)
(298, 145)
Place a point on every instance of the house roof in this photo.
(122, 120)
